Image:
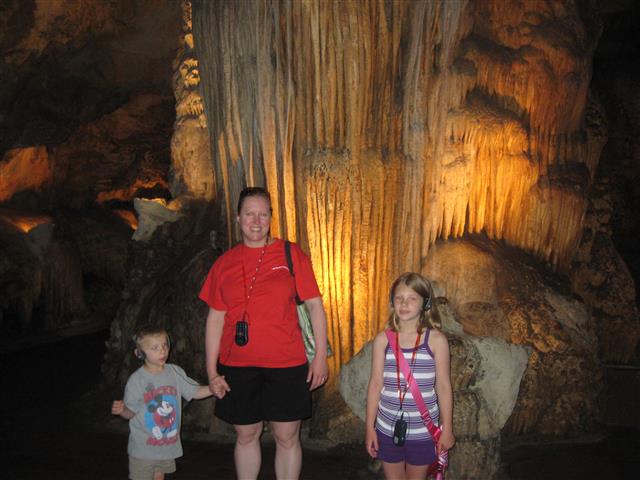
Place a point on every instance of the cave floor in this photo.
(43, 437)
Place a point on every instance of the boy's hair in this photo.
(253, 192)
(146, 331)
(429, 316)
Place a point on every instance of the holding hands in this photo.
(218, 386)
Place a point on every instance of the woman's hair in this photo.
(253, 192)
(429, 316)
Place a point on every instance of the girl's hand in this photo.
(117, 407)
(219, 386)
(446, 442)
(318, 372)
(371, 442)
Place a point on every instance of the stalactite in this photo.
(192, 172)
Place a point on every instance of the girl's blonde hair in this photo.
(429, 317)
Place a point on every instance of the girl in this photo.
(395, 431)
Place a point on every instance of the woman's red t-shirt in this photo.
(275, 340)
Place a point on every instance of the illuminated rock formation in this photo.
(191, 172)
(382, 127)
(24, 169)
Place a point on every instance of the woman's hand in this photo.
(218, 386)
(447, 440)
(371, 442)
(318, 372)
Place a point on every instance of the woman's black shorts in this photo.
(257, 394)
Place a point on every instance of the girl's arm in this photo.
(440, 346)
(213, 333)
(376, 382)
(318, 370)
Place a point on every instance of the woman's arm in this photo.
(213, 334)
(376, 382)
(440, 346)
(318, 370)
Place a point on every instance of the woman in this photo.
(256, 361)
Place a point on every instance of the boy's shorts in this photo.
(144, 468)
(257, 394)
(413, 452)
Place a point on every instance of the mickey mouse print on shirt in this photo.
(161, 415)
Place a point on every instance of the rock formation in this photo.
(459, 138)
(408, 122)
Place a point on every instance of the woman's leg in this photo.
(247, 455)
(394, 471)
(288, 450)
(416, 472)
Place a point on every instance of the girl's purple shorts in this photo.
(413, 452)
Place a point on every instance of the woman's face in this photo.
(255, 220)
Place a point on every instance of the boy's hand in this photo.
(117, 407)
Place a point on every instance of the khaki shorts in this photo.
(144, 468)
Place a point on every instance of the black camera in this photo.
(242, 333)
(400, 431)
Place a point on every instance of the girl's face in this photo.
(255, 220)
(407, 303)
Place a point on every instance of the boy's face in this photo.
(156, 349)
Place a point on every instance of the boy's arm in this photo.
(119, 408)
(202, 392)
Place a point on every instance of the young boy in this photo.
(152, 404)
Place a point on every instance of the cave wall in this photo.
(86, 116)
(402, 123)
(381, 128)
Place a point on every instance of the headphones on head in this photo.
(139, 353)
(427, 302)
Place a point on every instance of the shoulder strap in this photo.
(417, 396)
(287, 253)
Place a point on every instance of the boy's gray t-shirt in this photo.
(156, 401)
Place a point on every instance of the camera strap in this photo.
(247, 293)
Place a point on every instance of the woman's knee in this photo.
(248, 434)
(286, 434)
